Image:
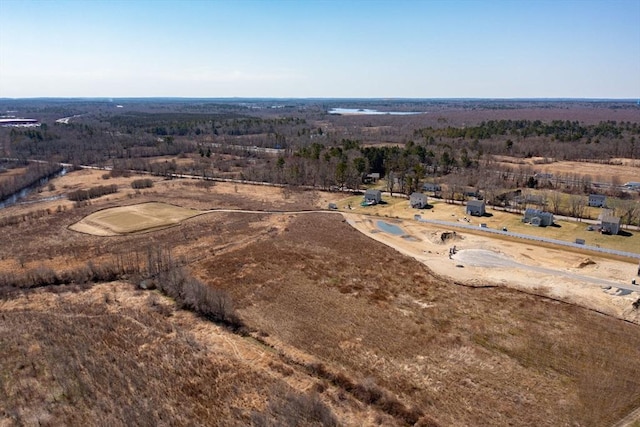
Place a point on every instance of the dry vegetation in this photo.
(464, 356)
(338, 329)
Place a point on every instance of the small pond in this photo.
(390, 228)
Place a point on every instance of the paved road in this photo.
(530, 237)
(491, 259)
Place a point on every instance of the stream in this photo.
(23, 193)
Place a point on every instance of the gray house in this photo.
(418, 200)
(537, 217)
(475, 207)
(610, 225)
(432, 187)
(372, 197)
(597, 200)
(372, 177)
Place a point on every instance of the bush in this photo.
(142, 183)
(287, 408)
(92, 193)
(191, 294)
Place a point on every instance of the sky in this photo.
(320, 49)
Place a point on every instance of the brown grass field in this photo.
(340, 329)
(138, 218)
(621, 171)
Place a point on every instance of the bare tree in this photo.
(577, 205)
(556, 202)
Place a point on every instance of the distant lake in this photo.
(366, 111)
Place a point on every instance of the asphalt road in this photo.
(490, 259)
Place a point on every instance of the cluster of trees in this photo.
(92, 193)
(559, 130)
(154, 269)
(142, 183)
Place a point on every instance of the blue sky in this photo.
(331, 48)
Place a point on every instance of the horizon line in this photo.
(267, 98)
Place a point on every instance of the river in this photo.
(23, 193)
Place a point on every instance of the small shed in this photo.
(372, 197)
(537, 217)
(610, 225)
(418, 200)
(333, 206)
(597, 200)
(476, 207)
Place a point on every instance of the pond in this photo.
(367, 111)
(390, 228)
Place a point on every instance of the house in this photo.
(597, 200)
(472, 192)
(372, 177)
(530, 199)
(632, 185)
(418, 200)
(432, 187)
(610, 225)
(476, 207)
(537, 217)
(372, 197)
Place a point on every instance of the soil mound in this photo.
(585, 262)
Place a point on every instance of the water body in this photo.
(368, 112)
(19, 195)
(390, 228)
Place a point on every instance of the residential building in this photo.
(418, 200)
(476, 207)
(537, 217)
(372, 197)
(610, 225)
(597, 200)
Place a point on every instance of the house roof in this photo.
(371, 192)
(536, 212)
(416, 194)
(597, 196)
(611, 219)
(475, 203)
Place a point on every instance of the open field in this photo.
(10, 173)
(627, 170)
(133, 219)
(335, 321)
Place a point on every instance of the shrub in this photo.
(92, 193)
(142, 183)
